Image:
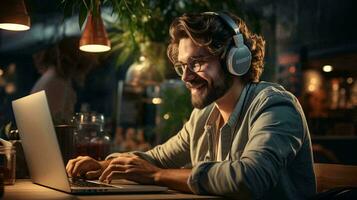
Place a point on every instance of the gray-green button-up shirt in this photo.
(265, 151)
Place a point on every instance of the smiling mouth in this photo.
(196, 85)
(193, 85)
(196, 88)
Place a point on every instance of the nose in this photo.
(187, 75)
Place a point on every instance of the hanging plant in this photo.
(141, 21)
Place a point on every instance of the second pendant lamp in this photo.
(94, 37)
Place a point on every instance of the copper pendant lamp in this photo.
(13, 15)
(94, 37)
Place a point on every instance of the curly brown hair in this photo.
(209, 31)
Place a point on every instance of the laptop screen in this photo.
(39, 141)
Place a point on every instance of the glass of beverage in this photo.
(8, 164)
(90, 138)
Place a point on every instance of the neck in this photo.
(227, 102)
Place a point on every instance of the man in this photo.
(245, 139)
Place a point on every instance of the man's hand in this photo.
(132, 168)
(85, 166)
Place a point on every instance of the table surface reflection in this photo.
(25, 189)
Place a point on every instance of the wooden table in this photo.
(25, 189)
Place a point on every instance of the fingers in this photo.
(116, 175)
(80, 165)
(71, 164)
(93, 174)
(117, 168)
(85, 165)
(131, 168)
(78, 168)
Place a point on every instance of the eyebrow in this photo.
(195, 57)
(199, 53)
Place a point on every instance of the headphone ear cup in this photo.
(238, 60)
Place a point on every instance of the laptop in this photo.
(44, 157)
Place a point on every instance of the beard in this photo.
(208, 93)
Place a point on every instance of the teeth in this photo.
(197, 87)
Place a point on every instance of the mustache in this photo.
(194, 82)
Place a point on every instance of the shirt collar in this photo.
(233, 119)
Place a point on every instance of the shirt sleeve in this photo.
(275, 136)
(174, 153)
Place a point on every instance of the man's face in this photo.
(208, 84)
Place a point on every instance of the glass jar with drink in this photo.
(90, 137)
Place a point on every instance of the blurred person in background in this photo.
(130, 141)
(62, 65)
(143, 142)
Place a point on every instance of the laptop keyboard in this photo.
(83, 183)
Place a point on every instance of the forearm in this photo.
(174, 178)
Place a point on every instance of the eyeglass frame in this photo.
(198, 60)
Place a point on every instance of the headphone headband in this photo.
(238, 57)
(237, 37)
(229, 21)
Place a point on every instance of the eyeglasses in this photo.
(194, 65)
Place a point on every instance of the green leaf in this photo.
(82, 15)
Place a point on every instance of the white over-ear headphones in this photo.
(237, 57)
